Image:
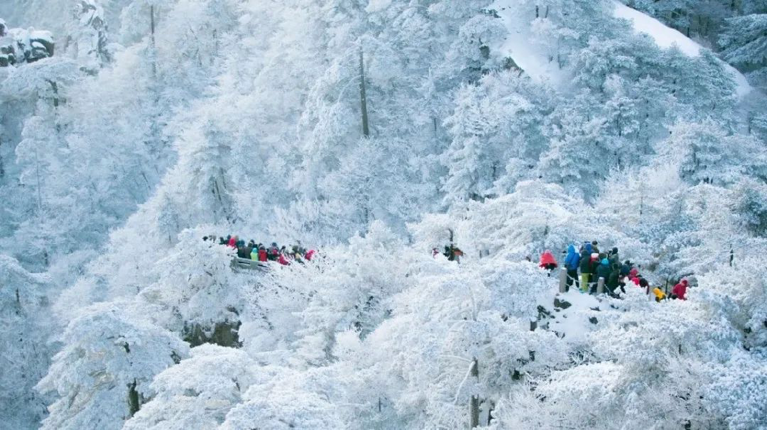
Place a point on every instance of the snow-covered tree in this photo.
(24, 304)
(705, 153)
(375, 132)
(197, 291)
(578, 156)
(198, 392)
(103, 373)
(89, 36)
(465, 159)
(744, 45)
(283, 399)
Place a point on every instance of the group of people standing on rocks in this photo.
(594, 265)
(261, 253)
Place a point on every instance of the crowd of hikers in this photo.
(585, 266)
(259, 252)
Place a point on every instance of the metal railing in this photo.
(247, 264)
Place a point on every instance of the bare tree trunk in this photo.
(55, 89)
(151, 24)
(152, 43)
(2, 164)
(39, 184)
(363, 97)
(474, 406)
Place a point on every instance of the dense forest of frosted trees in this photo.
(376, 131)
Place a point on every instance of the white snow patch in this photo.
(377, 5)
(41, 35)
(666, 37)
(529, 57)
(572, 322)
(743, 88)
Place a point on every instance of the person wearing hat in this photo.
(603, 270)
(572, 262)
(615, 261)
(626, 268)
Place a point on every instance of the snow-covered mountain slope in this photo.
(521, 46)
(666, 37)
(539, 63)
(505, 128)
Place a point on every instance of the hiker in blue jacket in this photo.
(572, 261)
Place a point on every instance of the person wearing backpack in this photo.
(614, 258)
(626, 268)
(572, 262)
(603, 271)
(614, 281)
(548, 261)
(586, 269)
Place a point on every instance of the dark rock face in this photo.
(23, 46)
(562, 304)
(223, 333)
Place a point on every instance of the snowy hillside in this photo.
(383, 214)
(668, 38)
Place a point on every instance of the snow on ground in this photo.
(666, 37)
(377, 5)
(571, 320)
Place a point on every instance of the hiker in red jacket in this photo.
(680, 290)
(282, 260)
(233, 242)
(262, 257)
(547, 261)
(309, 255)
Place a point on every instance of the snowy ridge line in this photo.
(667, 38)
